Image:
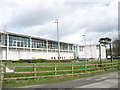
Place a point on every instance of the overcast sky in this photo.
(92, 18)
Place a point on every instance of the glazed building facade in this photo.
(17, 46)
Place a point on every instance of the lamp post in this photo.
(56, 21)
(84, 44)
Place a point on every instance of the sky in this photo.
(93, 18)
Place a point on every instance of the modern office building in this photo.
(17, 46)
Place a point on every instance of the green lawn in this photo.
(24, 82)
(61, 63)
(27, 82)
(30, 69)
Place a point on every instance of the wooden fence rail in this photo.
(53, 75)
(62, 70)
(68, 65)
(106, 66)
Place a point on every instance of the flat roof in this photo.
(24, 35)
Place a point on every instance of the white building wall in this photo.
(4, 53)
(97, 53)
(16, 54)
(1, 54)
(92, 52)
(67, 55)
(103, 52)
(20, 53)
(81, 54)
(88, 52)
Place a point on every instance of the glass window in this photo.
(19, 41)
(70, 47)
(63, 46)
(81, 48)
(97, 47)
(52, 45)
(36, 43)
(2, 39)
(51, 57)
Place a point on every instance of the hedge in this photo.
(36, 61)
(25, 61)
(68, 60)
(32, 60)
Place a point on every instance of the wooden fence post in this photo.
(118, 67)
(34, 71)
(55, 69)
(112, 65)
(97, 66)
(2, 71)
(105, 66)
(85, 65)
(72, 70)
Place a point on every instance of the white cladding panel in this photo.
(91, 51)
(16, 54)
(1, 54)
(20, 53)
(103, 52)
(4, 53)
(27, 47)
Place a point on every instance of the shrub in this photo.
(36, 61)
(7, 61)
(15, 61)
(69, 60)
(32, 60)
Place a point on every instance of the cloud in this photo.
(36, 12)
(94, 21)
(76, 17)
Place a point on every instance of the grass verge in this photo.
(38, 81)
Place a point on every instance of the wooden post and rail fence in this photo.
(85, 69)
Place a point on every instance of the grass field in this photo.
(24, 82)
(30, 69)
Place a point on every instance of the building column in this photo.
(47, 56)
(7, 48)
(47, 46)
(30, 47)
(68, 48)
